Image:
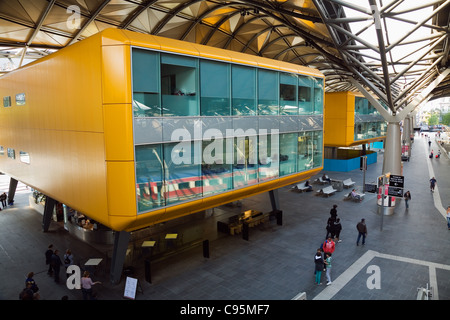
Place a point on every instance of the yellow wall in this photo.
(77, 127)
(339, 119)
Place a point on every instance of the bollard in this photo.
(148, 275)
(279, 215)
(245, 231)
(206, 248)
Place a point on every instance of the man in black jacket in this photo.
(48, 259)
(362, 231)
(56, 264)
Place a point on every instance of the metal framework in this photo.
(345, 39)
(395, 50)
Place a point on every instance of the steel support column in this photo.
(392, 161)
(12, 190)
(48, 213)
(121, 240)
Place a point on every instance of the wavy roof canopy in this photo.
(323, 34)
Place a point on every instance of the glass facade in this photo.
(368, 122)
(204, 127)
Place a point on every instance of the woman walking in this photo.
(318, 261)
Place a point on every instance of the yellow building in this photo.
(351, 120)
(108, 126)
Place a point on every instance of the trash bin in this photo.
(338, 185)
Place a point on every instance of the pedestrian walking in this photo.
(362, 231)
(56, 264)
(68, 260)
(3, 198)
(318, 262)
(86, 286)
(26, 293)
(336, 230)
(328, 265)
(333, 212)
(448, 217)
(329, 226)
(407, 197)
(48, 259)
(433, 182)
(30, 283)
(328, 246)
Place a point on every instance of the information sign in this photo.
(395, 191)
(372, 188)
(130, 288)
(396, 181)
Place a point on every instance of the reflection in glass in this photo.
(245, 165)
(182, 173)
(149, 177)
(288, 153)
(217, 174)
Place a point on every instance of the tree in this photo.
(433, 120)
(446, 118)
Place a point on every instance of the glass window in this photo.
(305, 89)
(2, 151)
(361, 105)
(214, 88)
(145, 83)
(267, 92)
(182, 172)
(245, 165)
(149, 177)
(243, 90)
(317, 151)
(305, 151)
(288, 153)
(7, 101)
(288, 94)
(318, 96)
(179, 78)
(216, 172)
(24, 157)
(11, 153)
(268, 150)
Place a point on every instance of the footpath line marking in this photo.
(436, 196)
(330, 291)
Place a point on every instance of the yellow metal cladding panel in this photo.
(339, 119)
(116, 72)
(121, 193)
(118, 123)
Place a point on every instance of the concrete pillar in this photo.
(12, 190)
(121, 240)
(392, 162)
(393, 150)
(407, 134)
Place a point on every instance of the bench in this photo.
(301, 187)
(349, 196)
(327, 191)
(348, 183)
(321, 181)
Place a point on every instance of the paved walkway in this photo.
(276, 263)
